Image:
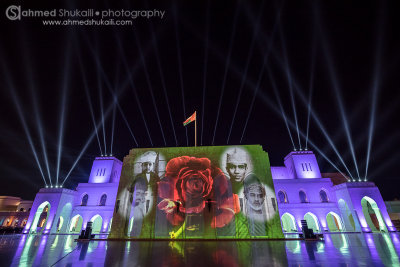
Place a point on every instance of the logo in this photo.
(13, 12)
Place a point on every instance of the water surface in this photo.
(334, 250)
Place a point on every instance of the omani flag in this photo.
(190, 119)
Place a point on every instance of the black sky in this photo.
(362, 39)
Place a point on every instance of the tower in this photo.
(105, 170)
(302, 165)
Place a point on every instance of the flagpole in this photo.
(195, 131)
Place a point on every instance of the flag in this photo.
(190, 119)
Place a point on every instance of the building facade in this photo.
(14, 212)
(301, 193)
(60, 210)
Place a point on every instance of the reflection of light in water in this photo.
(293, 246)
(25, 256)
(68, 243)
(393, 255)
(54, 242)
(371, 246)
(383, 251)
(344, 249)
(320, 247)
(44, 240)
(339, 241)
(92, 246)
(177, 247)
(395, 240)
(328, 240)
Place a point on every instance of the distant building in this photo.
(328, 202)
(14, 212)
(393, 208)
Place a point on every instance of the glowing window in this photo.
(323, 195)
(85, 199)
(103, 200)
(303, 197)
(282, 197)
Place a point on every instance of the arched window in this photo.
(85, 199)
(324, 196)
(103, 200)
(303, 197)
(282, 197)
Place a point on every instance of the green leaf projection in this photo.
(208, 192)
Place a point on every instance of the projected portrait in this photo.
(143, 189)
(205, 192)
(237, 165)
(255, 198)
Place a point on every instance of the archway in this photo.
(65, 214)
(372, 214)
(288, 223)
(40, 219)
(60, 223)
(348, 219)
(334, 222)
(76, 224)
(97, 224)
(312, 221)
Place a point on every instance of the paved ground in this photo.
(335, 250)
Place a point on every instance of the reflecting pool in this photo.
(335, 250)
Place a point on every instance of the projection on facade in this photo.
(196, 192)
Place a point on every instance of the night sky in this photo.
(222, 60)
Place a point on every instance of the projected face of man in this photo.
(147, 167)
(236, 165)
(236, 169)
(140, 197)
(256, 197)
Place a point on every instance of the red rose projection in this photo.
(191, 184)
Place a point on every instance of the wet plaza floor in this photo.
(334, 250)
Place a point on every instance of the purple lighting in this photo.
(302, 193)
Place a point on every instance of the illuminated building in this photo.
(298, 189)
(14, 212)
(303, 193)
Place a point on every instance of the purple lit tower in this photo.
(303, 193)
(60, 210)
